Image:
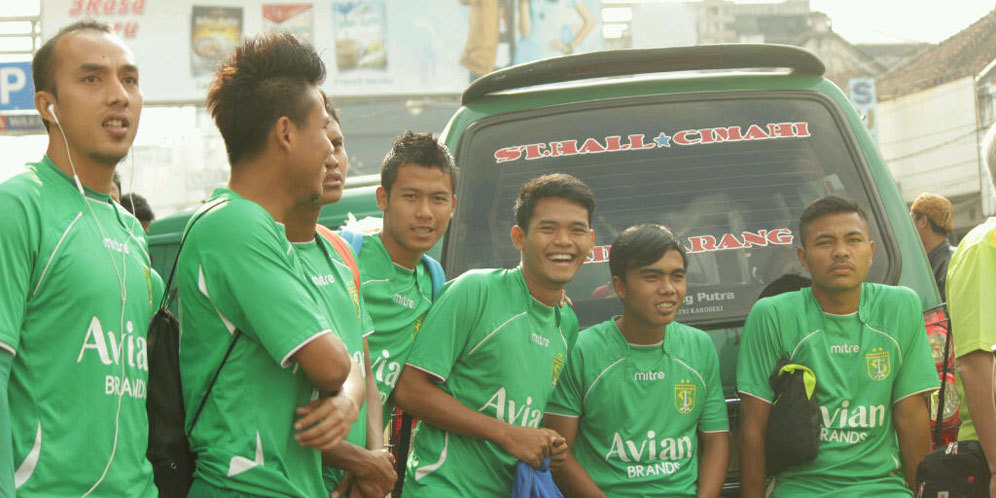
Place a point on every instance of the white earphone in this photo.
(51, 110)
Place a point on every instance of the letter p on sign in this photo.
(15, 86)
(12, 79)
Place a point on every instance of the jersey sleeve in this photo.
(758, 352)
(447, 327)
(917, 373)
(971, 293)
(714, 417)
(17, 256)
(566, 398)
(247, 270)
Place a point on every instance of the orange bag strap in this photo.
(343, 249)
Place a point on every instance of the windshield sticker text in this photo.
(712, 243)
(639, 141)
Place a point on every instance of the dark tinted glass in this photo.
(730, 176)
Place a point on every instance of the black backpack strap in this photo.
(168, 295)
(207, 393)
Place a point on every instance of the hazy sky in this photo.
(893, 21)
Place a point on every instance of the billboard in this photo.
(370, 47)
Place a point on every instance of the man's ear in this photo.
(518, 237)
(801, 253)
(381, 199)
(452, 206)
(44, 99)
(619, 286)
(283, 133)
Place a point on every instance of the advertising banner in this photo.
(370, 47)
(294, 18)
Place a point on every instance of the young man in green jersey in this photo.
(78, 290)
(641, 390)
(331, 283)
(867, 345)
(971, 291)
(417, 180)
(271, 411)
(491, 350)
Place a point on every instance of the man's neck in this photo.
(932, 240)
(399, 254)
(94, 175)
(253, 181)
(300, 223)
(638, 332)
(838, 302)
(544, 292)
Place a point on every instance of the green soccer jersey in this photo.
(332, 286)
(396, 299)
(640, 408)
(971, 288)
(237, 271)
(499, 351)
(864, 363)
(78, 381)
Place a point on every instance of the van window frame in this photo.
(878, 212)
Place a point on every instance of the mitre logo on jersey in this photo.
(879, 364)
(113, 349)
(515, 413)
(558, 366)
(684, 396)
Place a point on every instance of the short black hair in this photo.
(421, 149)
(43, 63)
(138, 206)
(560, 185)
(824, 206)
(331, 109)
(786, 283)
(642, 245)
(267, 77)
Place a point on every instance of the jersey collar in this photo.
(51, 168)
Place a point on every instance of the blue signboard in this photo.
(16, 90)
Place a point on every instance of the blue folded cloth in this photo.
(531, 482)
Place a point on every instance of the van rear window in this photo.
(729, 175)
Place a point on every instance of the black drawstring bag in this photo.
(169, 450)
(793, 434)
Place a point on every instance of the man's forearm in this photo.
(6, 441)
(754, 415)
(975, 370)
(912, 421)
(575, 482)
(375, 412)
(712, 465)
(346, 456)
(355, 387)
(419, 396)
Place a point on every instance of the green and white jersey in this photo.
(79, 348)
(864, 363)
(640, 408)
(332, 286)
(396, 299)
(499, 351)
(238, 271)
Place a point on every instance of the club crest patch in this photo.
(879, 364)
(684, 396)
(558, 366)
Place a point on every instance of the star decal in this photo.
(663, 140)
